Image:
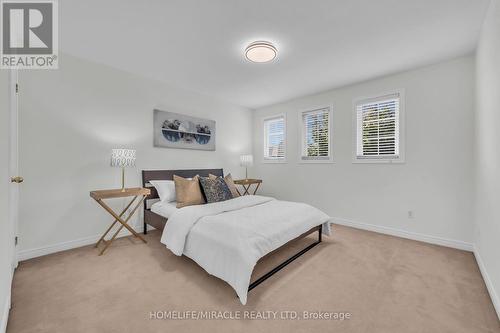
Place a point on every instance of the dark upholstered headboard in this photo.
(155, 220)
(148, 175)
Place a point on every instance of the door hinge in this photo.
(17, 87)
(16, 239)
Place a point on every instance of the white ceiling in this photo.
(322, 44)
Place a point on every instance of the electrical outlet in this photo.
(411, 214)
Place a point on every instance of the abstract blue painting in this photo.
(176, 130)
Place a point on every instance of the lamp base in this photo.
(123, 179)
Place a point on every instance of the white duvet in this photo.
(228, 238)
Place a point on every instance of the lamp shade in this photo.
(123, 158)
(246, 160)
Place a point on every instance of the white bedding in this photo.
(164, 209)
(228, 238)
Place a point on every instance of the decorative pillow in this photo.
(215, 189)
(188, 191)
(230, 184)
(165, 189)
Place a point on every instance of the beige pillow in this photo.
(188, 191)
(229, 181)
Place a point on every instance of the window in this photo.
(274, 138)
(378, 129)
(315, 128)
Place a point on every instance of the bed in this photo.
(229, 238)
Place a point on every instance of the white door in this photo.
(16, 180)
(8, 190)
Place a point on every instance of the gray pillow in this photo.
(215, 189)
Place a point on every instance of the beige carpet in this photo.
(387, 284)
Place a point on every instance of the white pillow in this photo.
(165, 188)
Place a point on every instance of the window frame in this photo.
(402, 107)
(264, 143)
(301, 135)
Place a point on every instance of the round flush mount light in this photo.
(260, 52)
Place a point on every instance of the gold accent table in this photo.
(247, 183)
(100, 195)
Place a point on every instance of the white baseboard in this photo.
(5, 312)
(41, 251)
(456, 244)
(495, 299)
(68, 245)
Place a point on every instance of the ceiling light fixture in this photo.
(260, 52)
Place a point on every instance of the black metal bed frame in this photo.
(289, 260)
(159, 222)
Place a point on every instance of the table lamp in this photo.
(123, 158)
(246, 161)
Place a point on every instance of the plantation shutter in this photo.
(316, 134)
(378, 128)
(274, 138)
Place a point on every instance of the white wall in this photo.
(436, 180)
(487, 149)
(5, 240)
(71, 118)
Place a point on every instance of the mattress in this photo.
(165, 209)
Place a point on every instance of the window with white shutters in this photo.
(378, 128)
(316, 135)
(274, 138)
